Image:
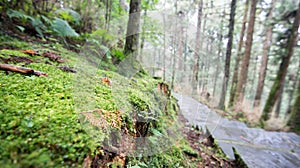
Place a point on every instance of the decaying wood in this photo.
(53, 57)
(22, 70)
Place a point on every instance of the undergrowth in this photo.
(41, 128)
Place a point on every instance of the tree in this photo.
(294, 120)
(197, 48)
(238, 56)
(108, 9)
(228, 55)
(220, 39)
(240, 91)
(264, 60)
(293, 78)
(132, 35)
(281, 74)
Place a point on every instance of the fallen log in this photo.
(22, 70)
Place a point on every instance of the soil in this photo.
(208, 154)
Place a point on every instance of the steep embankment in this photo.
(41, 127)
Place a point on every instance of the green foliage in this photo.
(59, 26)
(39, 127)
(38, 124)
(62, 28)
(69, 15)
(16, 14)
(149, 4)
(118, 54)
(35, 22)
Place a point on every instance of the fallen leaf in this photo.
(30, 52)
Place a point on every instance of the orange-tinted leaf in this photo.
(30, 52)
(106, 80)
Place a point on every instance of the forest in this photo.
(149, 83)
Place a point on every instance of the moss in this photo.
(40, 125)
(239, 161)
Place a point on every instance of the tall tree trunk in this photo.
(294, 120)
(294, 79)
(219, 53)
(174, 44)
(254, 74)
(197, 48)
(238, 57)
(108, 10)
(278, 106)
(201, 72)
(173, 62)
(143, 34)
(180, 43)
(185, 49)
(228, 55)
(264, 60)
(164, 50)
(240, 90)
(133, 26)
(209, 50)
(279, 81)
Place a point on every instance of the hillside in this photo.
(44, 122)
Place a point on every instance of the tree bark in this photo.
(240, 91)
(143, 34)
(264, 60)
(22, 70)
(238, 57)
(108, 9)
(279, 81)
(294, 120)
(294, 79)
(180, 44)
(228, 55)
(133, 26)
(201, 72)
(219, 53)
(278, 106)
(197, 48)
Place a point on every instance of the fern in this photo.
(69, 15)
(38, 25)
(35, 22)
(62, 28)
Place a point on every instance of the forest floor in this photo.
(208, 154)
(29, 122)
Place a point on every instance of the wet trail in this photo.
(256, 147)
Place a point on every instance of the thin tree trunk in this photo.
(278, 106)
(197, 48)
(291, 92)
(143, 35)
(218, 63)
(264, 60)
(254, 74)
(228, 55)
(240, 90)
(201, 72)
(238, 57)
(164, 50)
(173, 63)
(180, 44)
(132, 35)
(185, 50)
(279, 81)
(108, 6)
(219, 53)
(294, 120)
